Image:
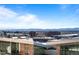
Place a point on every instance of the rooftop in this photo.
(64, 41)
(17, 40)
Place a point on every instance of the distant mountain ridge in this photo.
(61, 29)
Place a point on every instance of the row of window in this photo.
(70, 50)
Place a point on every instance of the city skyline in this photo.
(40, 16)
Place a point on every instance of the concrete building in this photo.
(62, 46)
(16, 46)
(65, 46)
(39, 46)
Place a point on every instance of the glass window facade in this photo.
(14, 48)
(38, 50)
(70, 50)
(9, 48)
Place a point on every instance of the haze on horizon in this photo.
(40, 16)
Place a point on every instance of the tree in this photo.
(32, 34)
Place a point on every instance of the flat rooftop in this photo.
(55, 42)
(64, 41)
(50, 42)
(17, 40)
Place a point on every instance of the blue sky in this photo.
(44, 16)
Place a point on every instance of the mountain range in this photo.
(61, 29)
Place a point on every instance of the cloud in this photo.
(12, 20)
(6, 13)
(64, 6)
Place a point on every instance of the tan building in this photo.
(16, 46)
(62, 46)
(65, 46)
(22, 46)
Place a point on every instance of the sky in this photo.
(39, 16)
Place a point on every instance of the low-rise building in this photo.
(63, 46)
(16, 46)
